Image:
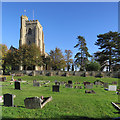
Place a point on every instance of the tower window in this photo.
(30, 31)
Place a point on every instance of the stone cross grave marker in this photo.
(105, 85)
(17, 85)
(8, 100)
(55, 88)
(112, 87)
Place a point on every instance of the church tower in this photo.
(31, 32)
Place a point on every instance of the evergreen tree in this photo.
(106, 43)
(81, 57)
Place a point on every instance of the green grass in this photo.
(68, 103)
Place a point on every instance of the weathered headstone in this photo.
(90, 91)
(62, 83)
(105, 85)
(68, 86)
(32, 103)
(34, 81)
(17, 85)
(36, 84)
(36, 102)
(2, 79)
(86, 83)
(69, 82)
(8, 100)
(98, 82)
(112, 87)
(79, 87)
(114, 82)
(55, 88)
(88, 86)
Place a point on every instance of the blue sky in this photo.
(62, 22)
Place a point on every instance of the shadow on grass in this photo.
(61, 118)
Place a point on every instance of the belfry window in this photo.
(30, 31)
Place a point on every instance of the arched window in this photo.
(30, 31)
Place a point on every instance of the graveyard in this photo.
(74, 97)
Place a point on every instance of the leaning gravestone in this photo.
(8, 100)
(55, 88)
(36, 102)
(105, 85)
(17, 85)
(112, 87)
(69, 82)
(32, 103)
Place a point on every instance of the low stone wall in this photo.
(65, 73)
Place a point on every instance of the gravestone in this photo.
(36, 84)
(85, 83)
(34, 81)
(17, 85)
(2, 79)
(62, 83)
(68, 86)
(105, 85)
(90, 91)
(79, 87)
(69, 82)
(88, 86)
(114, 82)
(8, 100)
(32, 103)
(55, 88)
(36, 102)
(112, 87)
(98, 82)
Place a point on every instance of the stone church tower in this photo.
(31, 32)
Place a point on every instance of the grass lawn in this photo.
(69, 103)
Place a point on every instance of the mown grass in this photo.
(68, 103)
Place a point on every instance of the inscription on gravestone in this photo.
(69, 82)
(55, 88)
(8, 100)
(112, 87)
(17, 85)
